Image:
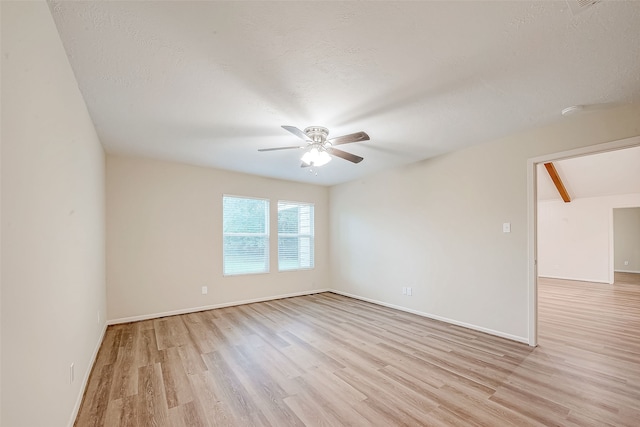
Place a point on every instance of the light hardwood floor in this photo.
(627, 278)
(328, 360)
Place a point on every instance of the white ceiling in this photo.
(603, 174)
(209, 83)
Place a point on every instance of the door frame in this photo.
(532, 217)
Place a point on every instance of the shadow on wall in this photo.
(626, 240)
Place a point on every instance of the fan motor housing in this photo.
(317, 133)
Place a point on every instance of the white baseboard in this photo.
(211, 307)
(317, 291)
(575, 279)
(435, 317)
(627, 271)
(85, 379)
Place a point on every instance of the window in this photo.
(245, 224)
(295, 236)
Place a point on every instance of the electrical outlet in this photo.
(404, 290)
(626, 263)
(205, 290)
(506, 227)
(409, 291)
(71, 373)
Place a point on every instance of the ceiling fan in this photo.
(319, 149)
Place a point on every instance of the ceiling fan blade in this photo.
(352, 137)
(297, 132)
(344, 155)
(280, 148)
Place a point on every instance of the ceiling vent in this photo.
(578, 6)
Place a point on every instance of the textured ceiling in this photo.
(604, 174)
(209, 83)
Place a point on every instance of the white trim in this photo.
(318, 291)
(604, 147)
(611, 249)
(627, 271)
(435, 317)
(532, 207)
(211, 307)
(85, 380)
(575, 279)
(532, 252)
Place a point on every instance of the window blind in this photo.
(295, 236)
(245, 235)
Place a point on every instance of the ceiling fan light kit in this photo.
(319, 149)
(315, 157)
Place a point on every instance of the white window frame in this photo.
(265, 235)
(299, 235)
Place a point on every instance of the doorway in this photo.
(626, 245)
(532, 216)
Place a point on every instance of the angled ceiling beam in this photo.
(553, 173)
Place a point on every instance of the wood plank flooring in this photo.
(328, 360)
(621, 278)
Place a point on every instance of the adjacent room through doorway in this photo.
(580, 199)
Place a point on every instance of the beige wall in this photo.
(626, 224)
(53, 260)
(436, 226)
(574, 239)
(164, 237)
